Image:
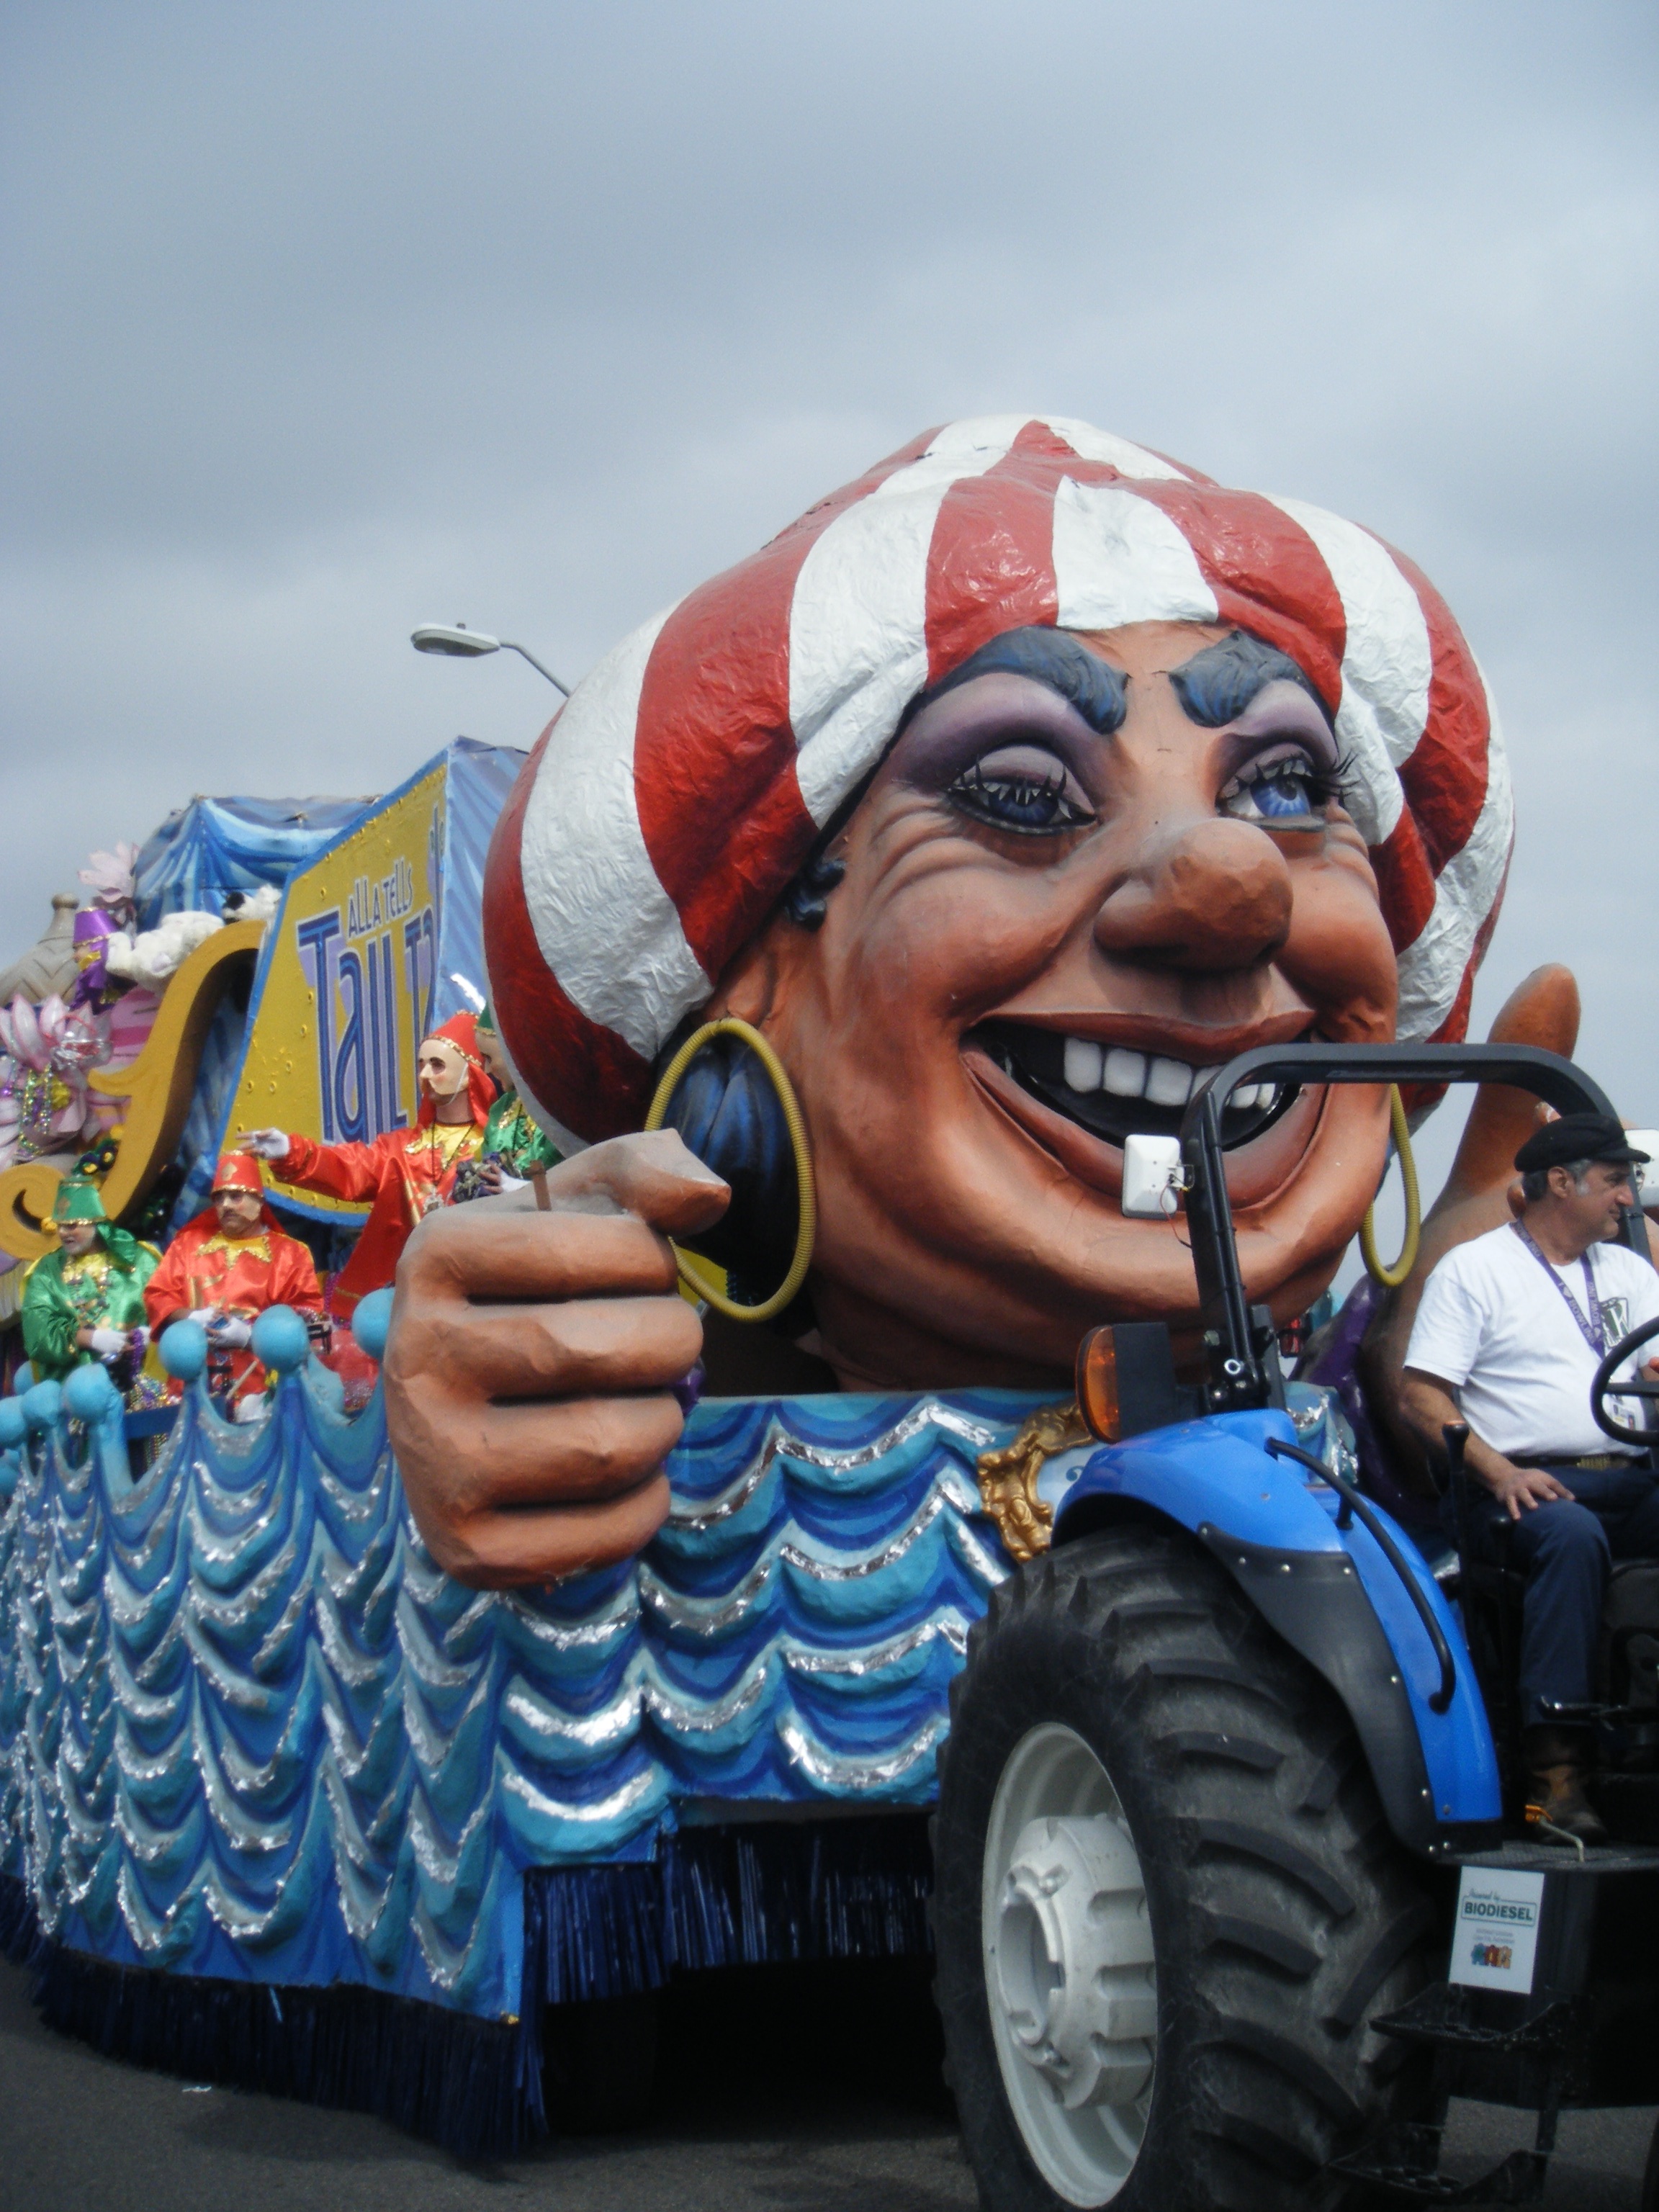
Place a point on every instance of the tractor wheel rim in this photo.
(1070, 1975)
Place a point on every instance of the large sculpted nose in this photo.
(1210, 894)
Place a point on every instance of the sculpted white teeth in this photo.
(1083, 1064)
(1126, 1073)
(1090, 1068)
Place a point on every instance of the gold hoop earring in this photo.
(806, 1190)
(1390, 1277)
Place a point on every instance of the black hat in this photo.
(1578, 1137)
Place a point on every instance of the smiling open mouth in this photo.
(1114, 1093)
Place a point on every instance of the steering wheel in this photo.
(1600, 1389)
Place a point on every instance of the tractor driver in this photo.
(1511, 1329)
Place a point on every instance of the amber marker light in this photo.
(1096, 1385)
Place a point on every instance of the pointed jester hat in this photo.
(461, 1034)
(77, 1200)
(666, 808)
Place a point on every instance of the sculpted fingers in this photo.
(539, 1351)
(528, 1360)
(531, 1438)
(653, 1176)
(532, 1485)
(504, 1551)
(506, 1496)
(572, 1451)
(476, 1252)
(613, 1208)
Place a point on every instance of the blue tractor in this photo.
(1234, 1890)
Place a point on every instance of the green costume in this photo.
(515, 1140)
(509, 1132)
(100, 1289)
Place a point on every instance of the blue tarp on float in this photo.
(480, 778)
(213, 845)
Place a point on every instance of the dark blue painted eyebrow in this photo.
(1216, 686)
(1050, 657)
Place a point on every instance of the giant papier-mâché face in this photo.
(1085, 859)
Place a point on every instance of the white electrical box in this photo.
(1151, 1176)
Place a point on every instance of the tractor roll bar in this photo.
(1238, 1348)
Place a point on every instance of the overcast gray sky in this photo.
(321, 321)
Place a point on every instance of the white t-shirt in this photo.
(1492, 1324)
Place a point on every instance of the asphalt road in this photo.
(795, 2090)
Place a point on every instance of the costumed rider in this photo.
(96, 989)
(85, 1302)
(1511, 1329)
(222, 1271)
(514, 1144)
(403, 1174)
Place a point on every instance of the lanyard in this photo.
(1592, 1330)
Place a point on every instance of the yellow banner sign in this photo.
(346, 981)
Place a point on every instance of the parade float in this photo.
(906, 944)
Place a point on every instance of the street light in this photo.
(461, 643)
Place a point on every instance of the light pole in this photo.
(461, 643)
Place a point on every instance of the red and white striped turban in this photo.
(663, 812)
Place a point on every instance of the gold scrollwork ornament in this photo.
(1008, 1477)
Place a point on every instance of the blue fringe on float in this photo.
(473, 2086)
(715, 1897)
(730, 1897)
(21, 1940)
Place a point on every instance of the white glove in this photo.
(232, 1333)
(264, 1144)
(108, 1343)
(204, 1317)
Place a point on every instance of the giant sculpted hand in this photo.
(529, 1365)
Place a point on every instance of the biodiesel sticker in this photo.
(1495, 1937)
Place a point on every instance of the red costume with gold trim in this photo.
(403, 1173)
(240, 1277)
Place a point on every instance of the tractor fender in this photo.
(1331, 1593)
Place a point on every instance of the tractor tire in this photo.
(1166, 1900)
